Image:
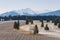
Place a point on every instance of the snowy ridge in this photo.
(29, 12)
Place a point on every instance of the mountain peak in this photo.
(27, 9)
(27, 12)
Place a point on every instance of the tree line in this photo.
(23, 17)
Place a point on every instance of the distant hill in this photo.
(26, 12)
(56, 13)
(29, 12)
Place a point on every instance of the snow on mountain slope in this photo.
(56, 13)
(29, 12)
(12, 13)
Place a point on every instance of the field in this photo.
(7, 32)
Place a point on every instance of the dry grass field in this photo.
(7, 33)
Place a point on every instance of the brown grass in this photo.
(7, 33)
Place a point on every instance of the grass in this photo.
(8, 33)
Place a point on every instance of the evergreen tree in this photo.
(48, 20)
(27, 21)
(42, 25)
(15, 25)
(55, 23)
(10, 17)
(35, 29)
(31, 21)
(41, 20)
(18, 25)
(59, 25)
(46, 28)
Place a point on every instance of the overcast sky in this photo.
(36, 5)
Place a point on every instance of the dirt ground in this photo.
(7, 33)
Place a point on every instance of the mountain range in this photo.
(30, 12)
(52, 13)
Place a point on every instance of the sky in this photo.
(36, 5)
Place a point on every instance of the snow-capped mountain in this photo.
(12, 13)
(56, 13)
(27, 12)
